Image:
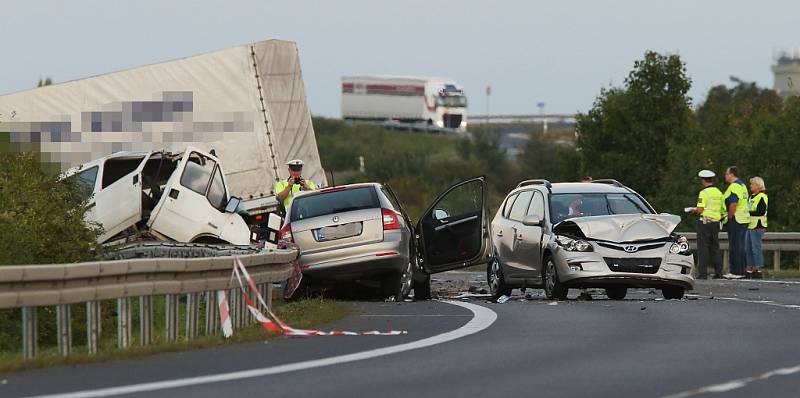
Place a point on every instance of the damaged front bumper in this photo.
(604, 267)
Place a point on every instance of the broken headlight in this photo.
(573, 245)
(681, 246)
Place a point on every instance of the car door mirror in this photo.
(440, 214)
(233, 204)
(532, 221)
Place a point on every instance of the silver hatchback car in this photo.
(361, 232)
(586, 235)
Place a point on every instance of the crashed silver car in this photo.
(585, 235)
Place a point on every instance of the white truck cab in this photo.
(180, 197)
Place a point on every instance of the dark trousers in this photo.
(736, 236)
(708, 248)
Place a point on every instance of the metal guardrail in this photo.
(775, 242)
(31, 286)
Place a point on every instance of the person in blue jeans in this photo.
(759, 203)
(736, 199)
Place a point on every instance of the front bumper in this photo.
(590, 269)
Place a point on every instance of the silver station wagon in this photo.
(361, 232)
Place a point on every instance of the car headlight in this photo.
(573, 245)
(681, 246)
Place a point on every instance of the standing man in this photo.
(759, 204)
(286, 189)
(710, 208)
(736, 202)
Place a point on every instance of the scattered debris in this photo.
(752, 288)
(502, 299)
(553, 303)
(643, 308)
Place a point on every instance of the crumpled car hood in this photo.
(622, 227)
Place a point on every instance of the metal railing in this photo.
(775, 242)
(29, 287)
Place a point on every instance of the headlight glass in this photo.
(573, 245)
(681, 246)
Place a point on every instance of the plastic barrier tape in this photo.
(273, 323)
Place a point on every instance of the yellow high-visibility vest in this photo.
(754, 201)
(742, 214)
(710, 199)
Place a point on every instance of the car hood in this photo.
(621, 228)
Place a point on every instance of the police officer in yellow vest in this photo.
(710, 208)
(286, 189)
(759, 204)
(737, 200)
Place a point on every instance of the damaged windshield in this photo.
(565, 206)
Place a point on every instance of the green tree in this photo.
(628, 131)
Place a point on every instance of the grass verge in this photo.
(304, 313)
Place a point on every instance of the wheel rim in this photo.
(494, 277)
(405, 281)
(550, 283)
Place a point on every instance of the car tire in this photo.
(497, 283)
(673, 293)
(399, 285)
(553, 288)
(422, 286)
(616, 293)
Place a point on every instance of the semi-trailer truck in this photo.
(430, 101)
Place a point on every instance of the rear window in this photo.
(334, 202)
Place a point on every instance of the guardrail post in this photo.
(29, 332)
(92, 326)
(146, 320)
(64, 326)
(212, 317)
(192, 307)
(171, 311)
(726, 262)
(123, 322)
(776, 260)
(233, 307)
(268, 293)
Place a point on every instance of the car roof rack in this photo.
(609, 181)
(535, 182)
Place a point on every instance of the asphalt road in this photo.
(730, 339)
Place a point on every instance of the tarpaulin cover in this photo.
(248, 103)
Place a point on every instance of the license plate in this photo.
(338, 232)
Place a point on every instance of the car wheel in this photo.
(673, 293)
(422, 286)
(497, 284)
(404, 284)
(616, 293)
(553, 288)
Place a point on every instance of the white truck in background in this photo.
(430, 101)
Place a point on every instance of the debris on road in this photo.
(553, 303)
(502, 299)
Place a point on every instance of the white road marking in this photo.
(415, 316)
(765, 302)
(736, 384)
(482, 319)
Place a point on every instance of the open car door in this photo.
(454, 231)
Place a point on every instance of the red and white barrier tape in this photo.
(273, 323)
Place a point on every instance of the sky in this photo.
(560, 52)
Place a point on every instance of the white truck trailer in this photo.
(430, 101)
(247, 104)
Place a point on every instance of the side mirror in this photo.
(532, 221)
(233, 203)
(440, 214)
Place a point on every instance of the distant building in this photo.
(787, 74)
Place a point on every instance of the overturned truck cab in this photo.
(163, 196)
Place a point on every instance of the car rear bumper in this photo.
(674, 270)
(373, 259)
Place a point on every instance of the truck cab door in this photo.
(193, 205)
(118, 196)
(454, 231)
